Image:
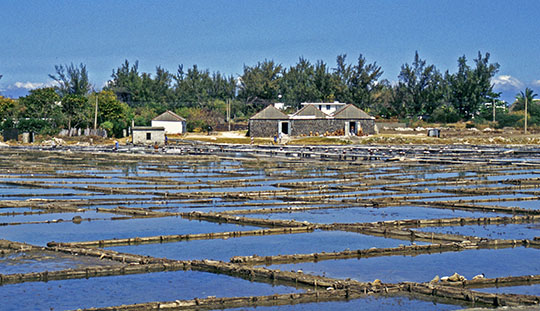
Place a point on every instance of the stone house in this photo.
(148, 135)
(173, 123)
(268, 122)
(311, 121)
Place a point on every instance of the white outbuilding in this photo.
(173, 123)
(148, 135)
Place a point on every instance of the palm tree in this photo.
(524, 98)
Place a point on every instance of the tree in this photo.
(41, 103)
(260, 84)
(41, 110)
(223, 87)
(323, 83)
(525, 101)
(363, 83)
(519, 104)
(471, 88)
(73, 108)
(193, 87)
(126, 83)
(297, 84)
(419, 88)
(341, 78)
(110, 109)
(6, 107)
(72, 80)
(384, 100)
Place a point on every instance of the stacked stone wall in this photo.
(263, 128)
(308, 127)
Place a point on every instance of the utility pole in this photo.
(229, 113)
(493, 104)
(525, 112)
(95, 113)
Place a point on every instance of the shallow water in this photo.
(40, 261)
(532, 204)
(153, 176)
(268, 245)
(41, 234)
(129, 289)
(503, 231)
(533, 289)
(477, 197)
(422, 268)
(54, 216)
(370, 214)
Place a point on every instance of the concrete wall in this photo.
(157, 136)
(171, 127)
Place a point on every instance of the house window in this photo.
(148, 136)
(320, 107)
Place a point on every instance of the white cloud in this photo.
(31, 85)
(507, 82)
(27, 85)
(536, 83)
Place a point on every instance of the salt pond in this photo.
(422, 268)
(501, 231)
(268, 245)
(152, 181)
(129, 289)
(40, 261)
(371, 214)
(41, 234)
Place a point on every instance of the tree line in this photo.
(201, 96)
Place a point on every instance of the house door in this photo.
(283, 127)
(352, 128)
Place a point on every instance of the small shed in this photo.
(173, 123)
(148, 135)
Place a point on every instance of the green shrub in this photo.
(510, 120)
(108, 126)
(445, 114)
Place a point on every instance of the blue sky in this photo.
(224, 35)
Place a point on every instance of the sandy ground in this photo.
(414, 136)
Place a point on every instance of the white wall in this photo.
(156, 137)
(171, 127)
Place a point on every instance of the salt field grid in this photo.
(364, 232)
